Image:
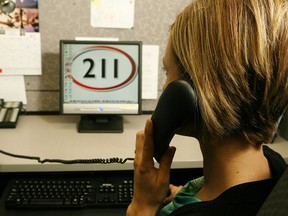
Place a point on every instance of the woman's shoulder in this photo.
(243, 199)
(276, 161)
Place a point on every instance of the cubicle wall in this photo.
(67, 19)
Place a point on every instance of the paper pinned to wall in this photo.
(12, 88)
(20, 54)
(96, 38)
(20, 40)
(150, 61)
(112, 13)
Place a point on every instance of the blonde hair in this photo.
(236, 54)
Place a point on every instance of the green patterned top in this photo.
(185, 196)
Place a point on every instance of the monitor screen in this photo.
(100, 80)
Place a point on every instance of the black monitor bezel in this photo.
(138, 43)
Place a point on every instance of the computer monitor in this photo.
(100, 81)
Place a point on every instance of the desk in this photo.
(56, 137)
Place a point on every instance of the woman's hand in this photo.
(151, 184)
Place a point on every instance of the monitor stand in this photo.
(100, 124)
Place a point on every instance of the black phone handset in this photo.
(176, 113)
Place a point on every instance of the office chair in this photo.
(277, 202)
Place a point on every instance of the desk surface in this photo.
(56, 137)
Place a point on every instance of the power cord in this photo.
(76, 161)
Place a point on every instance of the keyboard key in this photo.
(46, 202)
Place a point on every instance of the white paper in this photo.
(12, 88)
(20, 54)
(96, 39)
(150, 61)
(20, 41)
(112, 13)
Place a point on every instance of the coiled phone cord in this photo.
(75, 161)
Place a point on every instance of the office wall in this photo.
(67, 19)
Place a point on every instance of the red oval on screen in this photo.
(117, 51)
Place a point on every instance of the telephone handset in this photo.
(9, 113)
(176, 113)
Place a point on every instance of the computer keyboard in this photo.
(69, 193)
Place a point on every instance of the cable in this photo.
(76, 161)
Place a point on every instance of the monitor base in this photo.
(100, 124)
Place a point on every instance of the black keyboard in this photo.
(69, 193)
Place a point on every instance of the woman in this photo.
(234, 53)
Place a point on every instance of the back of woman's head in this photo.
(236, 53)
